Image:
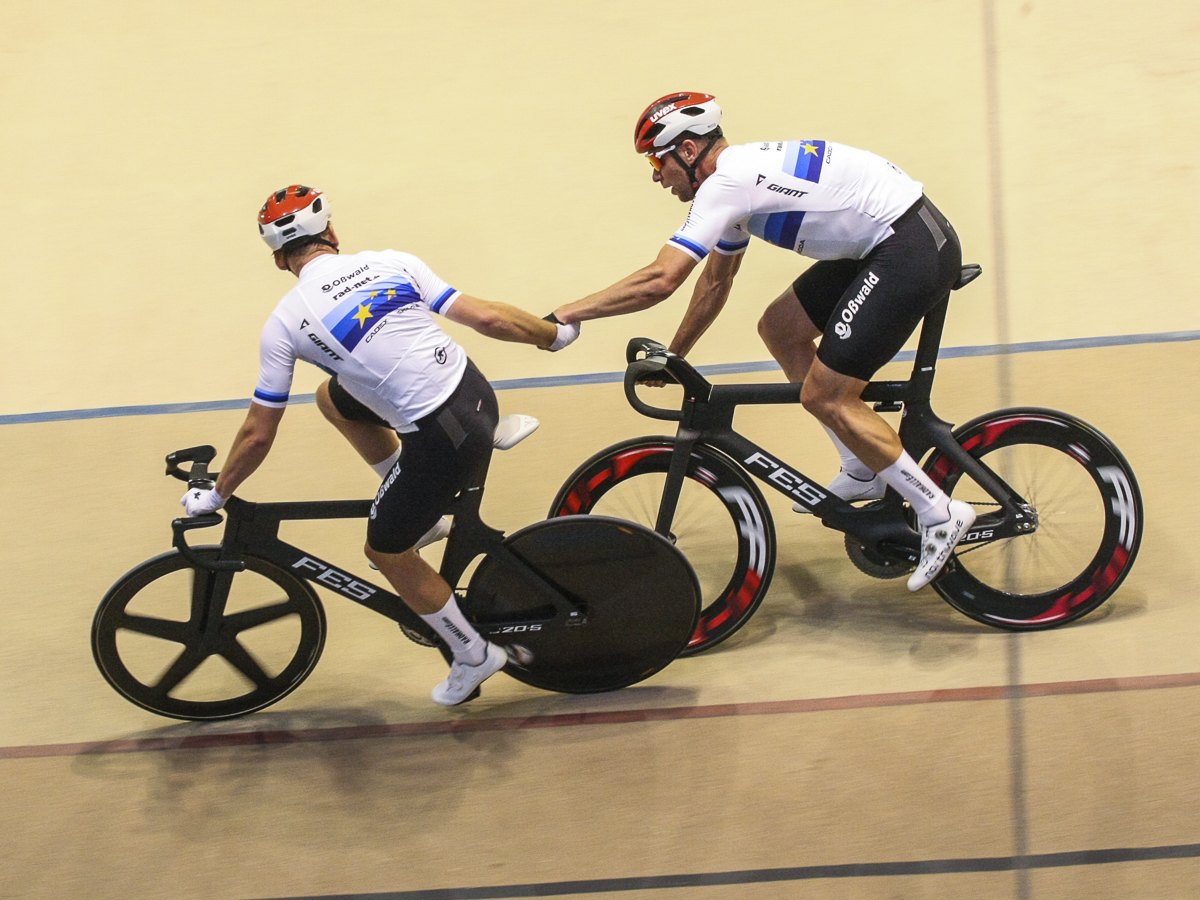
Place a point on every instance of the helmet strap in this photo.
(691, 170)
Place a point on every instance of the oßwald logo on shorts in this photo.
(842, 328)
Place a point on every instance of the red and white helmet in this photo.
(294, 212)
(664, 120)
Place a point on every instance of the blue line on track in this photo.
(163, 409)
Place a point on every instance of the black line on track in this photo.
(797, 873)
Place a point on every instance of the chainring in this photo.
(871, 563)
(416, 638)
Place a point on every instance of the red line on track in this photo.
(620, 717)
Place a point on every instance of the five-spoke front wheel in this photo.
(157, 642)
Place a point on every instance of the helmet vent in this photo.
(303, 191)
(316, 207)
(287, 231)
(279, 195)
(692, 111)
(654, 131)
(286, 220)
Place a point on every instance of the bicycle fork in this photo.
(681, 456)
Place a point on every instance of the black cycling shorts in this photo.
(867, 308)
(351, 408)
(449, 452)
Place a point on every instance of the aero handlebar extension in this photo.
(198, 476)
(650, 360)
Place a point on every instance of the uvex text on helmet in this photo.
(664, 120)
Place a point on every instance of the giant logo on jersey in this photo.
(779, 188)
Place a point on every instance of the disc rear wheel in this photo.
(635, 604)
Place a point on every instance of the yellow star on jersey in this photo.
(810, 150)
(364, 313)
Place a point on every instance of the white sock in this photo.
(382, 468)
(929, 501)
(851, 464)
(464, 641)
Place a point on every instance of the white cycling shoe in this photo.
(938, 542)
(463, 679)
(851, 489)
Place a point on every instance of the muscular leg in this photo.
(789, 335)
(374, 443)
(836, 402)
(419, 586)
(430, 597)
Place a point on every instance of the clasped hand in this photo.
(200, 501)
(567, 334)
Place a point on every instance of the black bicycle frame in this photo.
(252, 529)
(706, 416)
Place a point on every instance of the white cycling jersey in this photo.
(366, 317)
(817, 198)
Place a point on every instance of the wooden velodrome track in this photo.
(854, 740)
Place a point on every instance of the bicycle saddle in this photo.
(511, 430)
(969, 273)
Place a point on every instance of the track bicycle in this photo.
(583, 603)
(1059, 511)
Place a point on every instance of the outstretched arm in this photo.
(641, 290)
(502, 322)
(708, 299)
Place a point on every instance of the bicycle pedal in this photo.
(474, 695)
(519, 655)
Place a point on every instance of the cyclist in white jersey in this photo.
(885, 256)
(367, 319)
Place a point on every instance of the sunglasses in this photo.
(655, 158)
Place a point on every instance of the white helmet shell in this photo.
(294, 212)
(664, 120)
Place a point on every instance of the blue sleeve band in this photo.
(691, 245)
(269, 397)
(733, 245)
(436, 305)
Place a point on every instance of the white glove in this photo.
(198, 501)
(566, 333)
